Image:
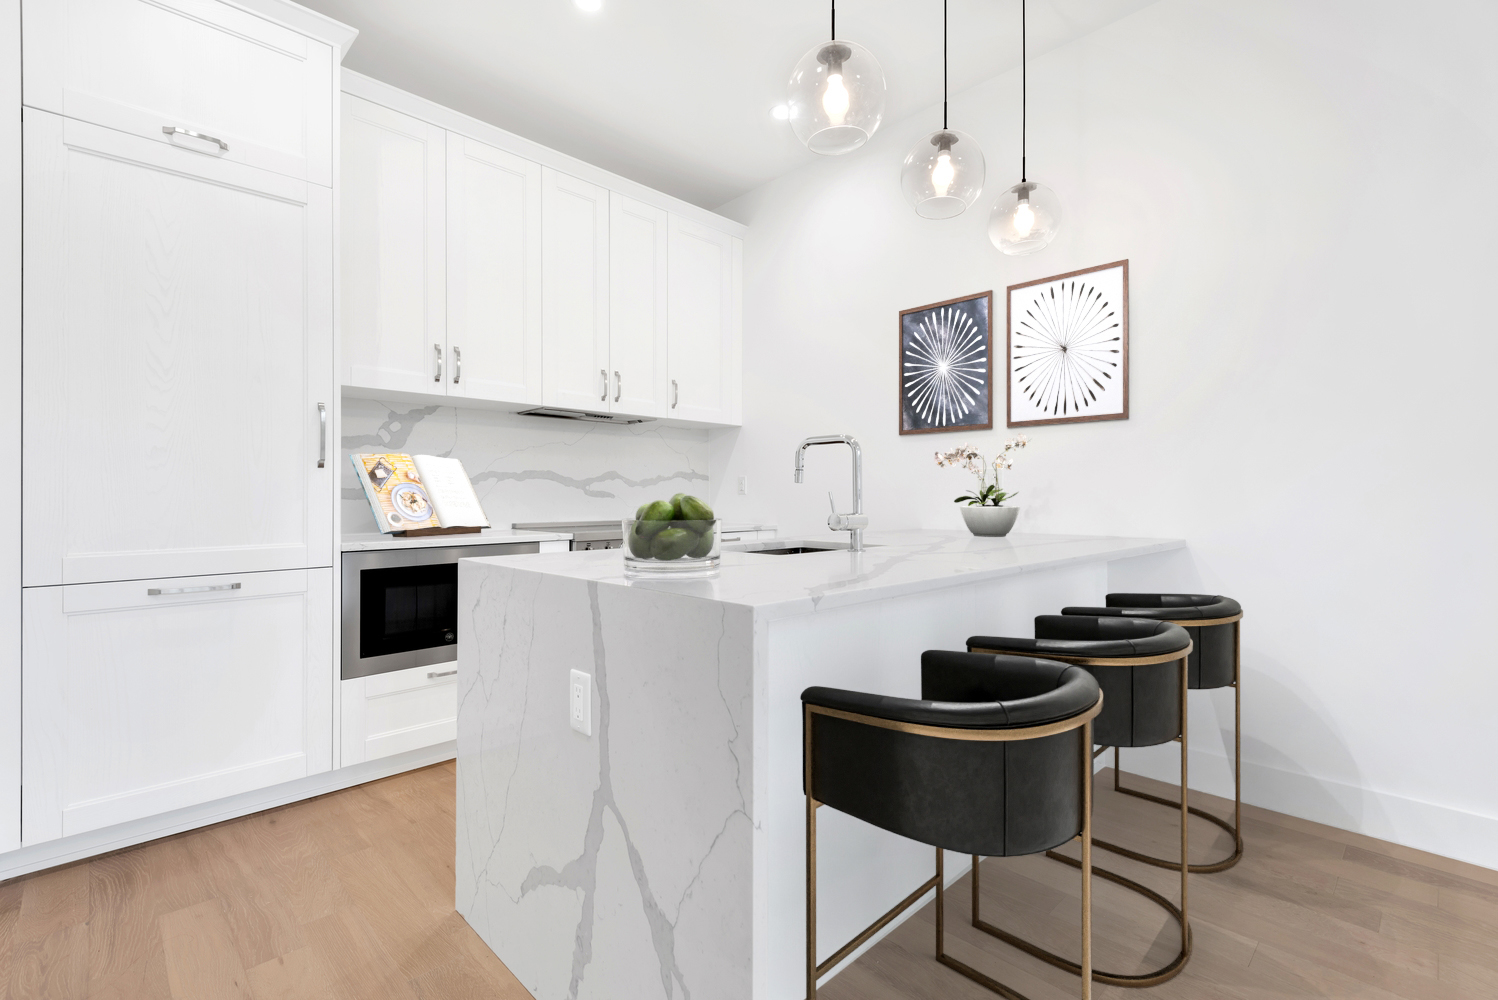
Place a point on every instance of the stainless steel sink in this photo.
(786, 547)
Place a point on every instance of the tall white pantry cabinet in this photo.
(179, 400)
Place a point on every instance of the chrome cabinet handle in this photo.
(438, 377)
(164, 592)
(174, 130)
(457, 365)
(434, 674)
(675, 396)
(322, 440)
(618, 386)
(603, 373)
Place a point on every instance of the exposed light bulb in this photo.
(943, 174)
(835, 99)
(1024, 218)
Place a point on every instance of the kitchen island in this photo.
(660, 853)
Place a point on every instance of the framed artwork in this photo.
(946, 366)
(1068, 347)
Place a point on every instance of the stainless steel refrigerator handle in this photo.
(438, 377)
(174, 130)
(618, 386)
(322, 438)
(603, 373)
(457, 365)
(167, 591)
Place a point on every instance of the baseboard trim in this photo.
(65, 850)
(1423, 826)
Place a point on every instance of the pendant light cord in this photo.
(944, 65)
(834, 20)
(1024, 94)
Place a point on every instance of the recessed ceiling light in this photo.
(591, 6)
(780, 112)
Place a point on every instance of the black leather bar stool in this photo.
(1213, 622)
(993, 759)
(1141, 668)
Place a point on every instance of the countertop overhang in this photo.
(893, 564)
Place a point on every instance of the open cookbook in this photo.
(419, 494)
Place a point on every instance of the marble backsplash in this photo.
(528, 468)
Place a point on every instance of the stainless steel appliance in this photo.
(400, 606)
(586, 535)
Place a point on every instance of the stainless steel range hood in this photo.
(597, 418)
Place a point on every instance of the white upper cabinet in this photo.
(704, 323)
(574, 292)
(638, 242)
(179, 349)
(221, 81)
(394, 254)
(493, 273)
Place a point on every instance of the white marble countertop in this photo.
(894, 563)
(366, 541)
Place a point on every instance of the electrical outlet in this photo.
(743, 486)
(581, 702)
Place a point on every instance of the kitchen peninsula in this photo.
(654, 847)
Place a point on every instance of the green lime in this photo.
(695, 527)
(693, 509)
(639, 545)
(654, 517)
(704, 546)
(676, 506)
(672, 543)
(640, 514)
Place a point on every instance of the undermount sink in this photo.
(785, 547)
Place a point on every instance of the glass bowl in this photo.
(671, 548)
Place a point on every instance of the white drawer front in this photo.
(401, 710)
(261, 89)
(136, 703)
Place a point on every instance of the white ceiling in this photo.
(676, 94)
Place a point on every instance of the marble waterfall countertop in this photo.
(893, 563)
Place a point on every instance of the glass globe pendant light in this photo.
(943, 174)
(1027, 216)
(835, 100)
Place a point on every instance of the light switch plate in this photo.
(580, 702)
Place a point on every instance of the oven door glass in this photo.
(407, 607)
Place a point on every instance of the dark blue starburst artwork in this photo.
(946, 366)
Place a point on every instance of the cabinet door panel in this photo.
(211, 68)
(393, 249)
(493, 273)
(574, 292)
(139, 703)
(638, 241)
(704, 323)
(178, 338)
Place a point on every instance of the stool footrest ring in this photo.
(1205, 868)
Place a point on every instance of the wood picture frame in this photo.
(945, 366)
(1064, 362)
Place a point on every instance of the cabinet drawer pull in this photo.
(434, 674)
(167, 591)
(438, 377)
(457, 365)
(618, 386)
(604, 375)
(675, 396)
(322, 439)
(174, 130)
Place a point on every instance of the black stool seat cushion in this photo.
(993, 798)
(1213, 652)
(1141, 702)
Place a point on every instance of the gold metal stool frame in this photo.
(1171, 969)
(1081, 722)
(1237, 828)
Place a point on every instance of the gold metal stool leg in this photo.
(1236, 829)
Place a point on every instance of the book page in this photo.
(394, 489)
(451, 490)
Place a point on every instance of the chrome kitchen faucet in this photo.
(855, 522)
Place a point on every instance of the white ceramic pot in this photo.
(992, 521)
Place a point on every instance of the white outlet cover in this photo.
(580, 702)
(743, 486)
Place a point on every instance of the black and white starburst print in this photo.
(945, 368)
(1067, 349)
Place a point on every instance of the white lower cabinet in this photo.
(152, 695)
(402, 710)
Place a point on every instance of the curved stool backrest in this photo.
(986, 762)
(1213, 654)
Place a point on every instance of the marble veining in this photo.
(528, 468)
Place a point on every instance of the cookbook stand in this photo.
(455, 530)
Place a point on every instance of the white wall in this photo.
(1306, 196)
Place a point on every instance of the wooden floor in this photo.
(350, 896)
